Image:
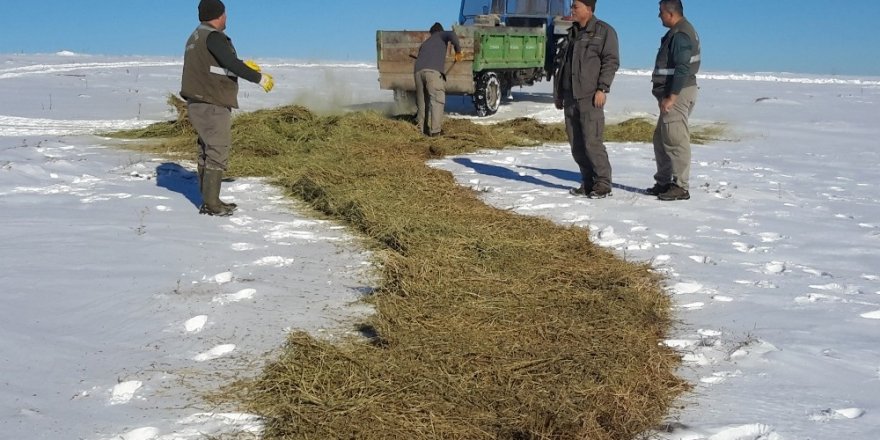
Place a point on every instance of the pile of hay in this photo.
(488, 324)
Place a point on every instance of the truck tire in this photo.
(487, 97)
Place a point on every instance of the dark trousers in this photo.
(585, 125)
(213, 123)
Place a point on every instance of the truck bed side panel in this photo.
(396, 52)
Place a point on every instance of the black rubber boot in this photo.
(201, 170)
(211, 203)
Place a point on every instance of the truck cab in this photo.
(519, 13)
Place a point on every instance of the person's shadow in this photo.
(506, 173)
(176, 178)
(575, 176)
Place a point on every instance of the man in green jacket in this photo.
(675, 87)
(211, 69)
(590, 60)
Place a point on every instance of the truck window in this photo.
(472, 8)
(527, 7)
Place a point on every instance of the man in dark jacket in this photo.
(583, 80)
(675, 87)
(431, 80)
(209, 85)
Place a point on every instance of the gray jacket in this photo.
(590, 59)
(432, 53)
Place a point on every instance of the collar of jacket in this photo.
(590, 28)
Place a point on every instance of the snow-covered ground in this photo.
(122, 304)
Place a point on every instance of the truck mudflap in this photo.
(396, 56)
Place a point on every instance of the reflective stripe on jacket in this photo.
(204, 80)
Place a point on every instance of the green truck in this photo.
(504, 43)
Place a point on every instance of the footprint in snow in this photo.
(747, 221)
(105, 197)
(744, 247)
(871, 315)
(214, 353)
(274, 261)
(720, 377)
(771, 237)
(828, 414)
(817, 298)
(608, 238)
(146, 433)
(816, 272)
(239, 247)
(774, 267)
(123, 392)
(241, 295)
(755, 431)
(660, 260)
(702, 259)
(680, 343)
(692, 306)
(196, 324)
(838, 288)
(753, 349)
(222, 278)
(686, 288)
(764, 284)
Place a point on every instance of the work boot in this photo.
(674, 192)
(657, 189)
(211, 203)
(599, 192)
(201, 169)
(579, 191)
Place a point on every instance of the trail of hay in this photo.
(488, 324)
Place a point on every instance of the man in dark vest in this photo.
(431, 79)
(590, 59)
(211, 69)
(675, 87)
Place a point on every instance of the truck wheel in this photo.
(487, 98)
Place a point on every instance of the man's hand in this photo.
(253, 65)
(558, 103)
(667, 103)
(267, 82)
(599, 99)
(458, 57)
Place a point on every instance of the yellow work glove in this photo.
(267, 83)
(252, 65)
(458, 57)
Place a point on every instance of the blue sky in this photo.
(806, 36)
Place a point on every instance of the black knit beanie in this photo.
(210, 9)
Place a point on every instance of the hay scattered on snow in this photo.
(488, 324)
